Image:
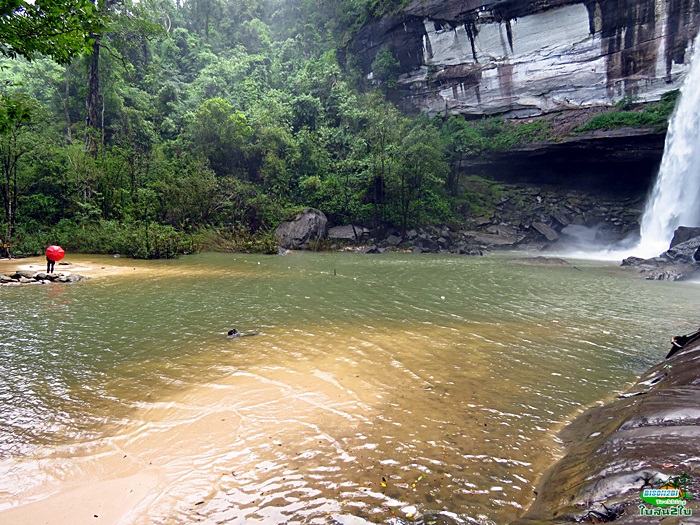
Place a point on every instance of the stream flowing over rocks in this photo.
(645, 436)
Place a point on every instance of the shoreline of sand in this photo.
(89, 266)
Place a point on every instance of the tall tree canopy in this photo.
(201, 116)
(60, 29)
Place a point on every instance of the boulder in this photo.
(502, 229)
(488, 239)
(393, 240)
(579, 233)
(683, 253)
(561, 218)
(683, 234)
(675, 273)
(545, 230)
(427, 244)
(308, 225)
(465, 249)
(347, 232)
(632, 261)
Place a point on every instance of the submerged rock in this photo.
(539, 261)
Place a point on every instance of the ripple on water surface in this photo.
(417, 387)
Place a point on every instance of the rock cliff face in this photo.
(527, 57)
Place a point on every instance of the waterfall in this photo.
(675, 199)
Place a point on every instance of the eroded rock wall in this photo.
(528, 57)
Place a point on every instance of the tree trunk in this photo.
(8, 203)
(66, 107)
(92, 100)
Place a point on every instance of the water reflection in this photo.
(412, 388)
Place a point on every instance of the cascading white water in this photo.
(675, 200)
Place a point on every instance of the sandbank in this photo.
(86, 265)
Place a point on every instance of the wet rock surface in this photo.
(679, 262)
(641, 439)
(527, 57)
(348, 232)
(25, 277)
(683, 234)
(308, 225)
(539, 261)
(522, 218)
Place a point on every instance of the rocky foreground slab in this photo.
(645, 439)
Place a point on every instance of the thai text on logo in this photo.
(670, 499)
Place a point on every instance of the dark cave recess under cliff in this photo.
(618, 162)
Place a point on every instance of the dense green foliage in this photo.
(60, 29)
(207, 122)
(653, 115)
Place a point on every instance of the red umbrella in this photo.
(55, 253)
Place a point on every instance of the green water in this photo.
(416, 387)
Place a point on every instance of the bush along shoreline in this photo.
(498, 216)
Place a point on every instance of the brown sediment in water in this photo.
(312, 418)
(264, 431)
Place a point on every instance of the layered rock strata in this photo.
(524, 57)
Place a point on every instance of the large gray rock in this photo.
(684, 253)
(579, 233)
(490, 240)
(545, 230)
(393, 240)
(683, 234)
(307, 225)
(348, 232)
(427, 244)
